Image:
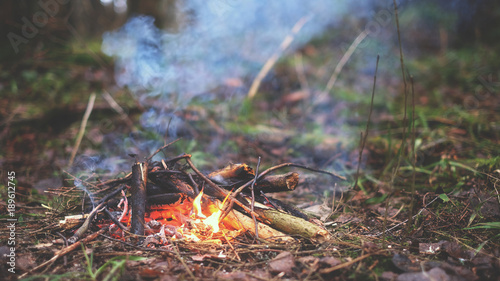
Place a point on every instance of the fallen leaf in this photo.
(433, 274)
(308, 260)
(330, 261)
(456, 251)
(320, 210)
(284, 262)
(345, 218)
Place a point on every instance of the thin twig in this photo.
(195, 185)
(86, 224)
(241, 188)
(236, 193)
(160, 149)
(405, 221)
(65, 251)
(363, 142)
(351, 262)
(347, 55)
(403, 139)
(253, 200)
(274, 58)
(414, 156)
(179, 258)
(335, 207)
(116, 107)
(65, 245)
(83, 125)
(335, 176)
(111, 194)
(401, 59)
(231, 246)
(162, 250)
(115, 220)
(301, 75)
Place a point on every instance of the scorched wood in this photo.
(232, 174)
(138, 197)
(278, 183)
(238, 174)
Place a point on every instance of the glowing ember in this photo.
(186, 219)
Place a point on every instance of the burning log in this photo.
(235, 174)
(232, 174)
(278, 183)
(138, 190)
(165, 198)
(240, 221)
(161, 183)
(288, 221)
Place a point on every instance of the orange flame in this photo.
(197, 206)
(188, 219)
(213, 221)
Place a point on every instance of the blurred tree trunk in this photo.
(164, 12)
(92, 18)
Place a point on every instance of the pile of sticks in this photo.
(246, 206)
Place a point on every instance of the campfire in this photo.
(160, 201)
(194, 220)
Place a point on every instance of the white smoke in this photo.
(223, 39)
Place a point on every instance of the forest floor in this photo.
(424, 206)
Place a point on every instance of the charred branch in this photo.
(138, 197)
(232, 174)
(278, 183)
(165, 198)
(169, 184)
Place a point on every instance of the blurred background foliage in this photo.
(451, 48)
